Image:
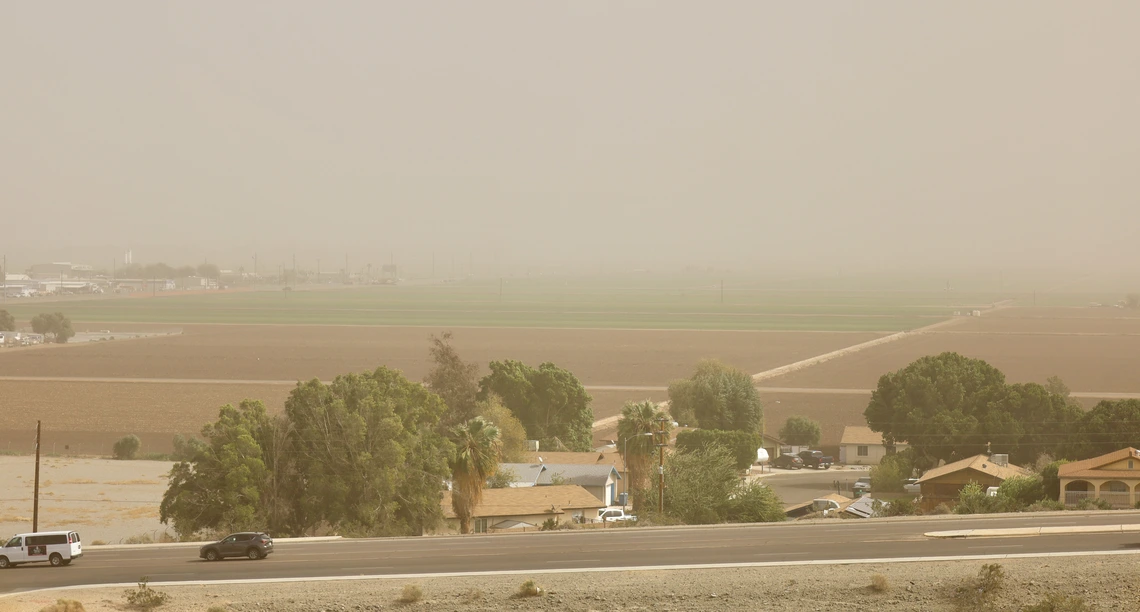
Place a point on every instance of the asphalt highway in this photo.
(611, 548)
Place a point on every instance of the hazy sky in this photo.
(824, 133)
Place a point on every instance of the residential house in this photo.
(861, 446)
(942, 484)
(525, 508)
(610, 456)
(523, 474)
(600, 480)
(1114, 477)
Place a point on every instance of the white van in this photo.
(55, 547)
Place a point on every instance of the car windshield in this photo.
(13, 543)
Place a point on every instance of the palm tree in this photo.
(636, 442)
(477, 448)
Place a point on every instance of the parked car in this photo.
(861, 486)
(816, 459)
(609, 515)
(911, 486)
(788, 462)
(249, 544)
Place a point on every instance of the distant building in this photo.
(1114, 477)
(525, 508)
(943, 484)
(861, 446)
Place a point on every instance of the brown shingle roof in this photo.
(1087, 468)
(980, 463)
(524, 501)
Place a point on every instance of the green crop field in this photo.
(622, 302)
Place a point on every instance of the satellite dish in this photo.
(761, 456)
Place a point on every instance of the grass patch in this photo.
(978, 593)
(529, 589)
(64, 605)
(880, 584)
(1056, 602)
(411, 594)
(144, 597)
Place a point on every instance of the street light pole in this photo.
(661, 466)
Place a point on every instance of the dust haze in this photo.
(750, 135)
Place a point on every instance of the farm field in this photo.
(667, 303)
(597, 357)
(1055, 321)
(1087, 363)
(87, 417)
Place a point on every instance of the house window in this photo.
(1130, 464)
(480, 525)
(861, 451)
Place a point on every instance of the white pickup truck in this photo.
(609, 515)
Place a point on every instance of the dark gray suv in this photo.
(249, 544)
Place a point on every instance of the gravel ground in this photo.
(1105, 583)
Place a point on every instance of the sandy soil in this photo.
(1103, 582)
(101, 499)
(1086, 363)
(597, 357)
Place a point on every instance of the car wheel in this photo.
(253, 554)
(212, 555)
(67, 561)
(55, 560)
(4, 563)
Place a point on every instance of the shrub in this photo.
(1050, 481)
(411, 594)
(1045, 505)
(755, 503)
(972, 499)
(942, 508)
(741, 444)
(64, 605)
(1020, 491)
(977, 594)
(1094, 503)
(216, 608)
(1055, 602)
(529, 589)
(903, 506)
(892, 472)
(144, 597)
(880, 584)
(127, 447)
(549, 524)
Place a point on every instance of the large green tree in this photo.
(703, 486)
(7, 321)
(219, 484)
(636, 441)
(550, 402)
(800, 431)
(369, 452)
(512, 434)
(53, 324)
(454, 380)
(1111, 425)
(937, 405)
(716, 396)
(742, 444)
(477, 449)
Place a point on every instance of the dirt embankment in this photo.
(1105, 583)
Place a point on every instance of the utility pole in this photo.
(36, 492)
(255, 264)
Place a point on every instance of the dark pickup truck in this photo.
(815, 459)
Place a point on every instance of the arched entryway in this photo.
(1078, 490)
(1116, 493)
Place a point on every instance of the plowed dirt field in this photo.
(597, 357)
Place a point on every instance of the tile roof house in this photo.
(861, 446)
(599, 480)
(1113, 477)
(942, 484)
(525, 508)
